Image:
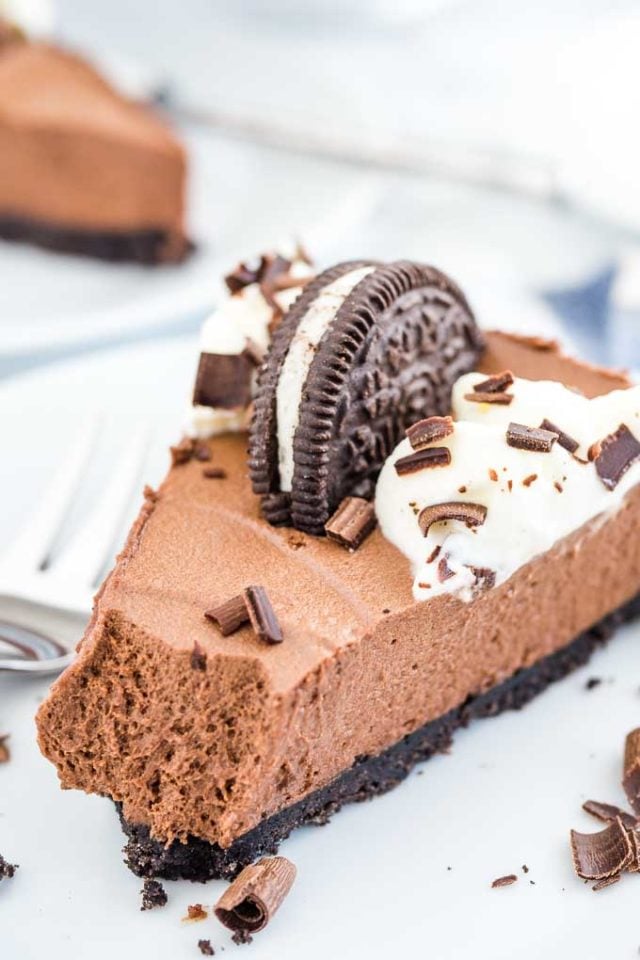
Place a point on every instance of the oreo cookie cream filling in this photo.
(365, 349)
(311, 329)
(521, 465)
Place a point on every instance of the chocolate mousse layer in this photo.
(83, 169)
(205, 738)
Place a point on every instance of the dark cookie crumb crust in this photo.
(147, 247)
(368, 777)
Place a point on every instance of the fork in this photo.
(46, 598)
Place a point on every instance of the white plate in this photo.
(376, 882)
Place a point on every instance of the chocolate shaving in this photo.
(352, 522)
(424, 432)
(530, 438)
(263, 619)
(564, 440)
(153, 895)
(631, 774)
(230, 615)
(201, 452)
(608, 812)
(182, 452)
(198, 657)
(498, 383)
(255, 895)
(485, 577)
(606, 882)
(223, 380)
(597, 856)
(5, 753)
(504, 881)
(434, 553)
(444, 570)
(617, 453)
(214, 473)
(422, 459)
(501, 398)
(473, 514)
(7, 870)
(205, 948)
(530, 479)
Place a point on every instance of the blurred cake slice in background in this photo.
(83, 169)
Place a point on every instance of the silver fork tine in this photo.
(83, 559)
(30, 548)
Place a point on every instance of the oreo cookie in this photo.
(365, 351)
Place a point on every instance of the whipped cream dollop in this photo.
(244, 317)
(532, 498)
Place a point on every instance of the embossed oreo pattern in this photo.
(396, 346)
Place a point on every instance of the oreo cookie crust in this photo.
(390, 353)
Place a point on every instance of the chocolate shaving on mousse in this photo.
(564, 440)
(214, 473)
(223, 380)
(423, 459)
(498, 383)
(473, 514)
(181, 452)
(255, 895)
(530, 438)
(352, 522)
(230, 615)
(617, 453)
(597, 856)
(631, 774)
(608, 812)
(201, 452)
(501, 398)
(424, 432)
(205, 948)
(261, 613)
(5, 754)
(504, 881)
(198, 657)
(153, 895)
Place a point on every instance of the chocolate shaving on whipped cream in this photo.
(256, 895)
(423, 459)
(352, 522)
(498, 383)
(488, 397)
(223, 380)
(230, 615)
(617, 453)
(564, 440)
(473, 514)
(530, 438)
(424, 432)
(262, 616)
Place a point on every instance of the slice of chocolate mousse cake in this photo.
(242, 676)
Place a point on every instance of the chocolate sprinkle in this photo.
(230, 615)
(205, 948)
(498, 383)
(504, 881)
(422, 459)
(424, 432)
(607, 812)
(597, 856)
(153, 895)
(631, 775)
(501, 398)
(617, 453)
(352, 522)
(530, 438)
(223, 380)
(255, 895)
(473, 514)
(564, 440)
(262, 616)
(530, 479)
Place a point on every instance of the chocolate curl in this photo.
(614, 455)
(498, 383)
(597, 856)
(631, 773)
(607, 812)
(424, 432)
(262, 615)
(473, 514)
(352, 522)
(256, 895)
(230, 615)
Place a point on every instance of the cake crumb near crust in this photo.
(153, 895)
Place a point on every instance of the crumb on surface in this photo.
(242, 936)
(7, 870)
(195, 912)
(205, 948)
(593, 682)
(505, 881)
(153, 895)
